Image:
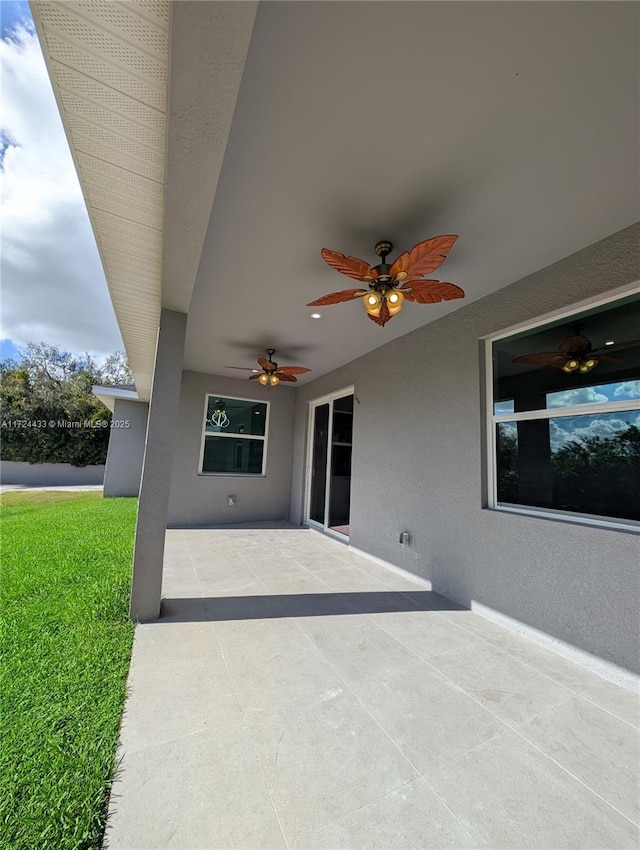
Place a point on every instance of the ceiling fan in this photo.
(271, 373)
(390, 285)
(575, 354)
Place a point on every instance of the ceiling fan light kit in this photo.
(575, 354)
(389, 286)
(584, 365)
(270, 373)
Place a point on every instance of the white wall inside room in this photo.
(418, 466)
(198, 500)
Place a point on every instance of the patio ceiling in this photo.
(512, 125)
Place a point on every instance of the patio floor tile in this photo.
(180, 699)
(507, 794)
(431, 720)
(508, 688)
(619, 701)
(594, 747)
(354, 645)
(410, 817)
(174, 646)
(199, 792)
(543, 660)
(422, 632)
(294, 694)
(271, 664)
(323, 759)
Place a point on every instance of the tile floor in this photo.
(297, 695)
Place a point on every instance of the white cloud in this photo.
(629, 389)
(562, 431)
(53, 286)
(583, 395)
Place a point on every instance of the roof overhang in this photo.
(110, 68)
(109, 395)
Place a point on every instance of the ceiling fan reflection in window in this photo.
(389, 286)
(576, 354)
(271, 374)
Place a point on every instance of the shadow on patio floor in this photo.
(300, 605)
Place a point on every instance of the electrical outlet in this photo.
(231, 500)
(405, 537)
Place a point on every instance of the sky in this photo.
(53, 287)
(563, 430)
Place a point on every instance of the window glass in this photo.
(232, 455)
(585, 464)
(234, 436)
(596, 394)
(501, 408)
(235, 416)
(593, 357)
(579, 462)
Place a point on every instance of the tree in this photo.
(47, 409)
(591, 475)
(600, 475)
(116, 369)
(508, 466)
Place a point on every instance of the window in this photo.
(564, 427)
(234, 436)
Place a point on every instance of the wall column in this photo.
(123, 470)
(156, 468)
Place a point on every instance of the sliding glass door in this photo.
(329, 464)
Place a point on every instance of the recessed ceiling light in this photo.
(609, 341)
(316, 315)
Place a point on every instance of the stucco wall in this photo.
(49, 474)
(418, 466)
(202, 499)
(126, 448)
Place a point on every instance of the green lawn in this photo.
(66, 572)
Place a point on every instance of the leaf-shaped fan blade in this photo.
(430, 291)
(292, 370)
(337, 297)
(267, 364)
(547, 358)
(351, 266)
(384, 316)
(244, 368)
(284, 377)
(424, 258)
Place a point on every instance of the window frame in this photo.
(492, 419)
(264, 438)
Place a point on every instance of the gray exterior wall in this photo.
(202, 499)
(49, 474)
(418, 465)
(126, 449)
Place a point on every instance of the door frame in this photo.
(311, 407)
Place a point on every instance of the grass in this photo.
(66, 572)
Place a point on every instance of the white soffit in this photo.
(209, 46)
(108, 62)
(108, 395)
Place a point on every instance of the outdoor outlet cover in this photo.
(231, 500)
